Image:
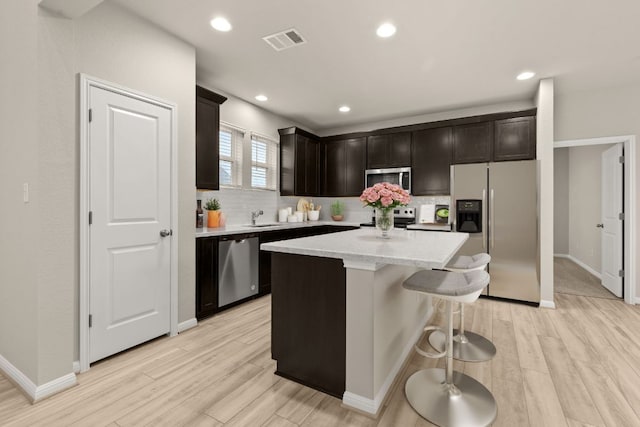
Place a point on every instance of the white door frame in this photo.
(630, 213)
(86, 82)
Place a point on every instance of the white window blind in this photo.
(264, 162)
(231, 155)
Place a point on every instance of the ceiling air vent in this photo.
(285, 39)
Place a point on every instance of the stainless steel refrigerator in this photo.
(509, 223)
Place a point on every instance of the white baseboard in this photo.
(636, 300)
(547, 304)
(52, 387)
(34, 392)
(187, 324)
(580, 263)
(76, 366)
(373, 406)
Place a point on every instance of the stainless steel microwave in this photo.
(398, 176)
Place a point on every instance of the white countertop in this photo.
(237, 229)
(421, 249)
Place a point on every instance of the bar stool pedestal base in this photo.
(430, 396)
(476, 348)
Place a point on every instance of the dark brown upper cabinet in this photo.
(472, 143)
(389, 151)
(207, 138)
(431, 154)
(515, 139)
(344, 166)
(299, 163)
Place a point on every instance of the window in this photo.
(264, 162)
(231, 155)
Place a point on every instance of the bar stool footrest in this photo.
(476, 348)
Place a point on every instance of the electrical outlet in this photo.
(25, 192)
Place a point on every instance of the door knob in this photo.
(165, 233)
(600, 225)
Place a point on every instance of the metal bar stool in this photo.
(442, 396)
(467, 346)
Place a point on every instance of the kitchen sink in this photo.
(260, 225)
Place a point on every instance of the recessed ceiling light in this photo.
(525, 75)
(261, 98)
(344, 109)
(386, 30)
(221, 24)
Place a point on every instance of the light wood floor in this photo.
(570, 278)
(578, 365)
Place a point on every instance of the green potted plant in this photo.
(337, 209)
(213, 213)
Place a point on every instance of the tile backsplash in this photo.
(237, 205)
(353, 209)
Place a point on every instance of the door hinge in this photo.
(621, 159)
(621, 273)
(90, 320)
(621, 216)
(90, 217)
(90, 115)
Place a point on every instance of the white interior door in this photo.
(612, 225)
(130, 199)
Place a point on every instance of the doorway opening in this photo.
(594, 217)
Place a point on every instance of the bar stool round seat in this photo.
(442, 396)
(467, 346)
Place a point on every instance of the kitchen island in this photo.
(341, 321)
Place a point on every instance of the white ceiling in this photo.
(445, 54)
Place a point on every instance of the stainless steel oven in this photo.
(398, 176)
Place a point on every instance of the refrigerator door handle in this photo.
(484, 219)
(493, 218)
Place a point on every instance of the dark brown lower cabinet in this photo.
(207, 264)
(206, 276)
(308, 329)
(276, 235)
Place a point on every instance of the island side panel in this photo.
(308, 331)
(384, 321)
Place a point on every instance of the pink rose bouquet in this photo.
(385, 195)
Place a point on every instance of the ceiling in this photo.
(445, 55)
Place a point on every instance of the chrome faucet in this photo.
(255, 215)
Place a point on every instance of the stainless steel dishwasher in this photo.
(238, 260)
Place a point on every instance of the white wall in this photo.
(19, 253)
(39, 245)
(544, 154)
(599, 113)
(432, 117)
(116, 46)
(561, 201)
(237, 205)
